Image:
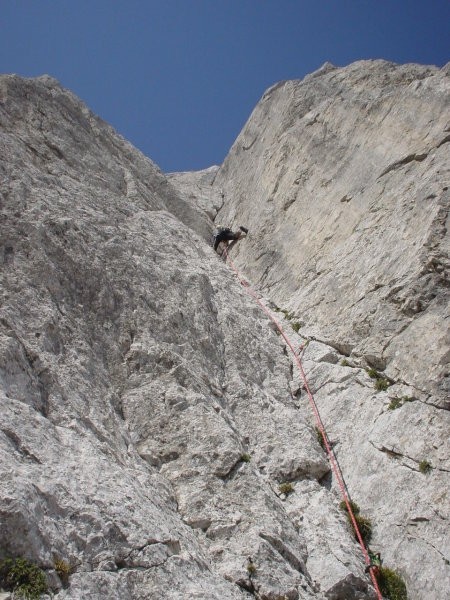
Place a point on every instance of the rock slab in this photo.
(147, 414)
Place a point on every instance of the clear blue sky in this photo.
(179, 78)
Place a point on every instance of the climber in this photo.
(224, 235)
(375, 562)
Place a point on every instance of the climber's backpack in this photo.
(220, 231)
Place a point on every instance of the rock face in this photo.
(197, 187)
(343, 179)
(150, 412)
(147, 417)
(348, 165)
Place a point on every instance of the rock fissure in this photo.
(402, 162)
(428, 543)
(393, 453)
(285, 552)
(19, 446)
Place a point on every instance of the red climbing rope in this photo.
(331, 456)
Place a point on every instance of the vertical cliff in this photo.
(343, 179)
(147, 417)
(154, 437)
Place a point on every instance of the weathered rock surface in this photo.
(197, 186)
(149, 410)
(346, 178)
(343, 179)
(147, 416)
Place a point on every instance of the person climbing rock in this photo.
(224, 238)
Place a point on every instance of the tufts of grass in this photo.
(395, 403)
(355, 508)
(286, 488)
(398, 402)
(23, 578)
(364, 524)
(296, 326)
(391, 584)
(320, 438)
(63, 569)
(365, 528)
(425, 467)
(381, 384)
(289, 316)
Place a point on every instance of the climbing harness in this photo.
(331, 456)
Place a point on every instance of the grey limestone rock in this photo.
(147, 418)
(343, 179)
(150, 411)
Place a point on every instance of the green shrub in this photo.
(246, 457)
(23, 577)
(286, 488)
(425, 467)
(391, 584)
(381, 385)
(395, 403)
(296, 326)
(364, 524)
(373, 373)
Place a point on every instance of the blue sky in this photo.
(179, 78)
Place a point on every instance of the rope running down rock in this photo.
(331, 456)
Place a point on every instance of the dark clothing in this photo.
(225, 235)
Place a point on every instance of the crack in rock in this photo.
(404, 161)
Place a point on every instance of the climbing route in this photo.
(331, 455)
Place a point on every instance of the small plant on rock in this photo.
(373, 373)
(391, 584)
(365, 528)
(251, 567)
(287, 314)
(345, 363)
(286, 488)
(425, 467)
(364, 524)
(320, 438)
(296, 326)
(395, 403)
(246, 457)
(22, 577)
(63, 569)
(381, 384)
